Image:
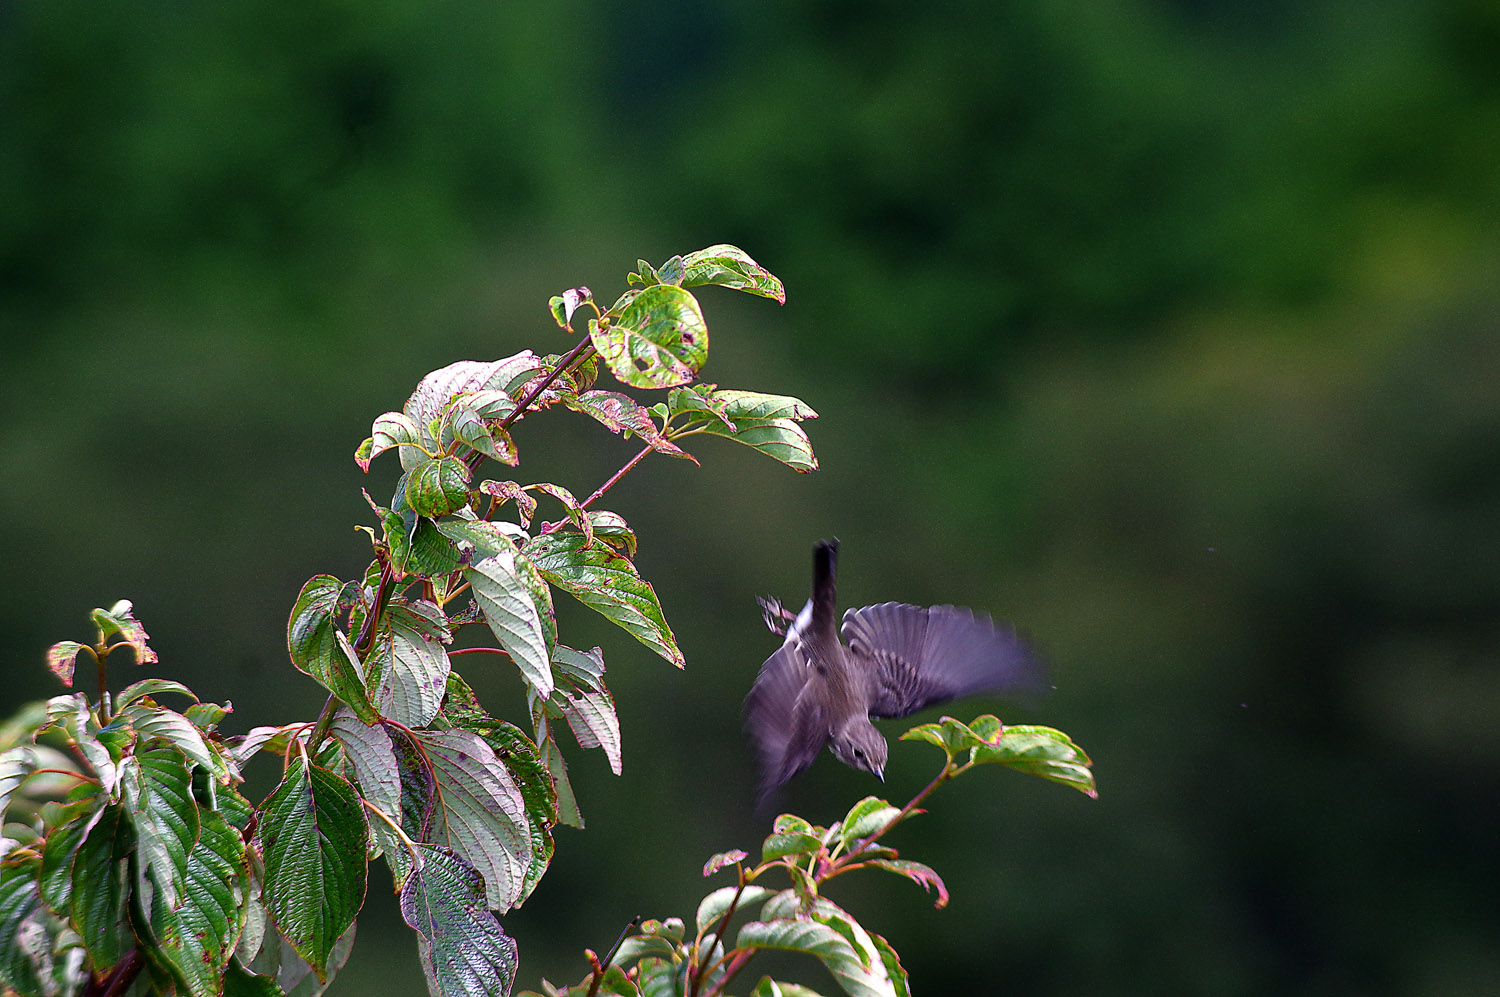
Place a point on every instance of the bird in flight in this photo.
(816, 690)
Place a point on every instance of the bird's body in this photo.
(816, 690)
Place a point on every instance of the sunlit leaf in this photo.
(120, 620)
(611, 528)
(953, 736)
(312, 836)
(655, 339)
(864, 819)
(780, 439)
(564, 305)
(1040, 751)
(714, 906)
(319, 648)
(786, 843)
(72, 715)
(513, 608)
(463, 951)
(439, 388)
(605, 581)
(730, 266)
(576, 514)
(719, 860)
(924, 876)
(61, 658)
(16, 764)
(511, 491)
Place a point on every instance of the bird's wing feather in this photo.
(924, 656)
(786, 729)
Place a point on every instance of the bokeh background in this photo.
(1166, 329)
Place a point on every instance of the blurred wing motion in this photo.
(786, 729)
(920, 657)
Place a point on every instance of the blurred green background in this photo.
(1166, 329)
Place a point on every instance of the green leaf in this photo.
(99, 888)
(480, 433)
(864, 819)
(623, 414)
(768, 987)
(438, 389)
(582, 700)
(240, 982)
(61, 658)
(732, 267)
(1040, 751)
(858, 966)
(779, 439)
(149, 687)
(655, 339)
(557, 770)
(476, 809)
(511, 597)
(158, 721)
(412, 663)
(953, 736)
(611, 528)
(158, 799)
(792, 935)
(197, 937)
(522, 757)
(24, 945)
(319, 648)
(312, 836)
(789, 843)
(893, 968)
(276, 960)
(439, 486)
(464, 952)
(120, 620)
(605, 581)
(713, 906)
(638, 947)
(392, 429)
(924, 876)
(73, 716)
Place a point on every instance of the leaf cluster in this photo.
(138, 866)
(660, 959)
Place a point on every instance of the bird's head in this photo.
(859, 745)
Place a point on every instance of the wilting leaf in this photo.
(319, 648)
(655, 339)
(924, 876)
(198, 936)
(510, 490)
(564, 305)
(477, 810)
(605, 581)
(467, 425)
(464, 952)
(61, 658)
(730, 266)
(312, 836)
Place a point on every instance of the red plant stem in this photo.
(616, 477)
(735, 965)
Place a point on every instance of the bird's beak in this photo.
(880, 773)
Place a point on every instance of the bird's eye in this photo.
(859, 753)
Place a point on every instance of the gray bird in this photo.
(815, 691)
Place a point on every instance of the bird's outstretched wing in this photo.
(924, 656)
(786, 729)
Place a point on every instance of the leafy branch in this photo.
(659, 960)
(136, 863)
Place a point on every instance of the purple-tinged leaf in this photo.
(732, 267)
(605, 581)
(312, 836)
(719, 860)
(657, 339)
(577, 515)
(464, 952)
(621, 414)
(437, 389)
(319, 648)
(511, 491)
(611, 528)
(368, 748)
(412, 664)
(120, 619)
(477, 810)
(61, 659)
